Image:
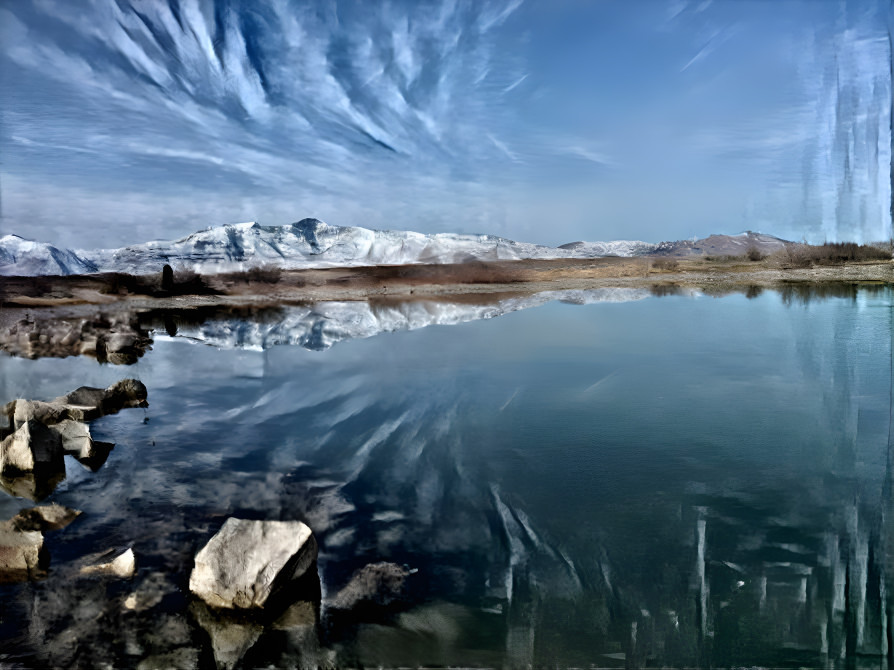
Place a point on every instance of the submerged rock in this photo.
(373, 584)
(231, 637)
(44, 517)
(247, 562)
(183, 658)
(124, 565)
(31, 485)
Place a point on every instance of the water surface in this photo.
(681, 480)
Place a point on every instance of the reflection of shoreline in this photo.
(120, 333)
(266, 286)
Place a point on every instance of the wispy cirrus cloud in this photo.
(432, 115)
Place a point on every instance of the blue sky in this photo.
(550, 122)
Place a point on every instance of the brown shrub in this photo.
(831, 253)
(665, 264)
(754, 254)
(266, 274)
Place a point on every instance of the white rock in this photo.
(246, 562)
(124, 565)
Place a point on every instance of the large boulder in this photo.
(248, 562)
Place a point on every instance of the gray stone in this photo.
(22, 554)
(124, 565)
(75, 437)
(376, 583)
(44, 517)
(118, 396)
(231, 637)
(84, 396)
(148, 593)
(184, 658)
(247, 562)
(32, 447)
(22, 411)
(33, 486)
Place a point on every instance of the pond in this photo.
(635, 481)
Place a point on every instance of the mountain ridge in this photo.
(308, 243)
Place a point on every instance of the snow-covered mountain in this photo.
(308, 243)
(26, 257)
(616, 248)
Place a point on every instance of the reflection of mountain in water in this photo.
(121, 336)
(321, 325)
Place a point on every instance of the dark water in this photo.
(670, 481)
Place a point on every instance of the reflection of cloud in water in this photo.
(554, 526)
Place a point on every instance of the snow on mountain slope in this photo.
(22, 257)
(615, 248)
(310, 243)
(306, 244)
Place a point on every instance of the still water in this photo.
(679, 480)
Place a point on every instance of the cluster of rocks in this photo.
(252, 580)
(259, 577)
(35, 435)
(114, 338)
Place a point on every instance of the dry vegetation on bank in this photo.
(796, 263)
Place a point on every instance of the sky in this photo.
(546, 121)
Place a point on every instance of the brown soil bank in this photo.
(270, 285)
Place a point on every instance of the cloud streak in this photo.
(388, 108)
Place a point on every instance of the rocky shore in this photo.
(251, 579)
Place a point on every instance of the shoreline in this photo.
(461, 282)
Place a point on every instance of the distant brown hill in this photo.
(722, 245)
